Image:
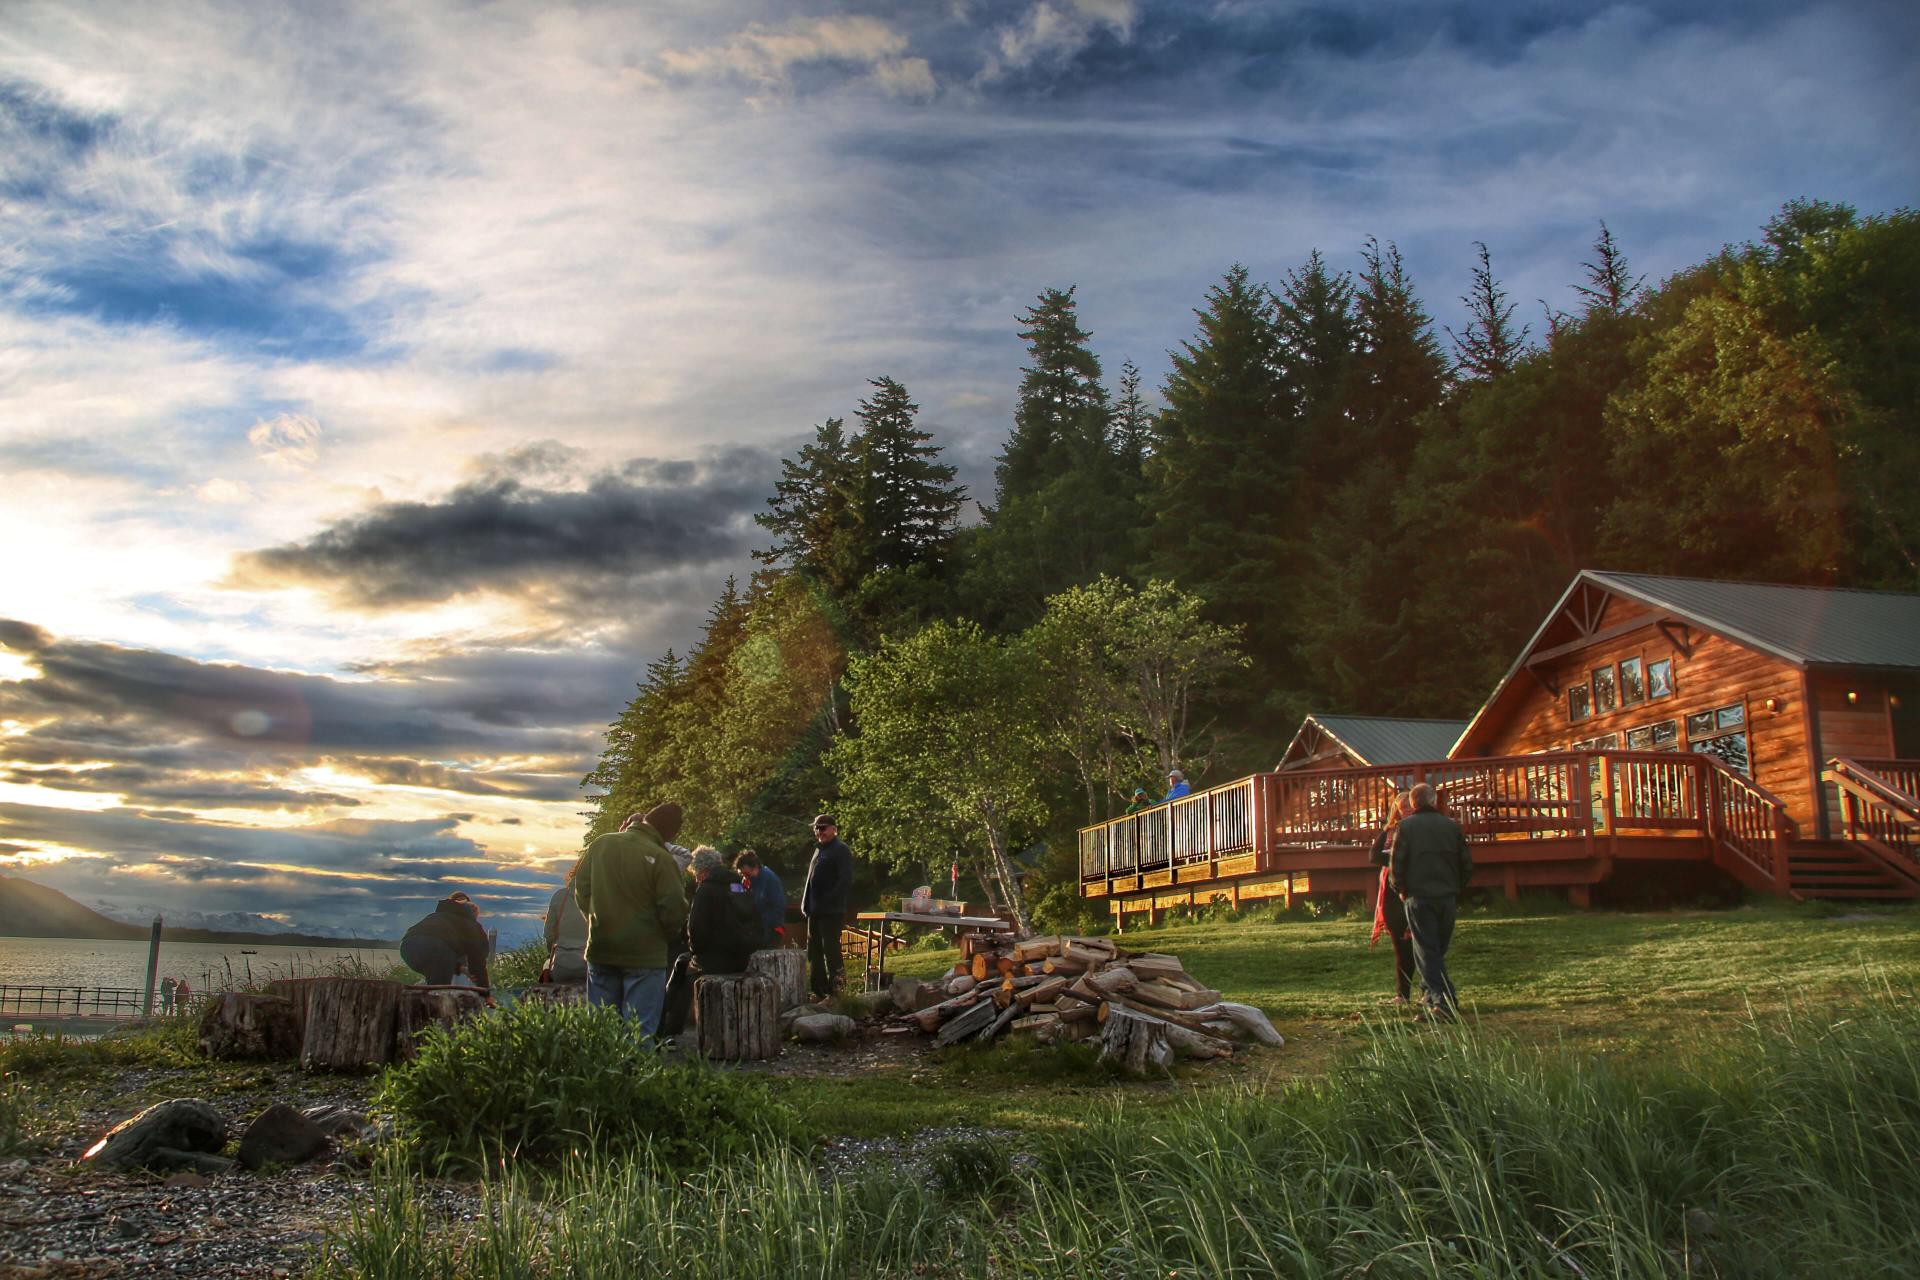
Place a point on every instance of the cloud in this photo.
(767, 55)
(1056, 30)
(502, 534)
(290, 441)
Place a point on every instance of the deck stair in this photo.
(1837, 869)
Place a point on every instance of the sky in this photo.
(383, 385)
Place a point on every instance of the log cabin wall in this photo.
(1714, 681)
(1860, 727)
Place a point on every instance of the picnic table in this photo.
(879, 938)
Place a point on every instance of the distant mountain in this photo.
(29, 910)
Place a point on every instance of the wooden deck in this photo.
(1557, 820)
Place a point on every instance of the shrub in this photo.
(519, 966)
(1061, 909)
(14, 1110)
(537, 1080)
(169, 1043)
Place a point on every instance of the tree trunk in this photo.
(1009, 883)
(1139, 1044)
(423, 1007)
(787, 968)
(240, 1025)
(738, 1017)
(350, 1023)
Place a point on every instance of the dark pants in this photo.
(823, 953)
(431, 958)
(1431, 921)
(1395, 912)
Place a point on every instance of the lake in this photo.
(209, 966)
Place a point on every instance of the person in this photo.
(1389, 912)
(769, 896)
(1177, 786)
(1141, 800)
(167, 985)
(437, 946)
(629, 890)
(824, 903)
(1430, 867)
(182, 993)
(566, 934)
(723, 931)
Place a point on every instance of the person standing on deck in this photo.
(1177, 786)
(1139, 801)
(630, 890)
(824, 903)
(167, 985)
(1430, 868)
(1389, 912)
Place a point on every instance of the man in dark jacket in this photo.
(1431, 866)
(440, 944)
(769, 896)
(824, 903)
(633, 897)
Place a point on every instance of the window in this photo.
(1660, 678)
(1579, 707)
(1722, 732)
(1633, 682)
(1602, 690)
(1640, 739)
(1666, 735)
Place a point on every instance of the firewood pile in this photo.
(1142, 1007)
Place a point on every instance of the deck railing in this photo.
(1877, 809)
(1576, 795)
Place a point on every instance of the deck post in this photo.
(153, 969)
(1510, 882)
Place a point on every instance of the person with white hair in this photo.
(1430, 868)
(1177, 786)
(723, 931)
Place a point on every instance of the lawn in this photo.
(1625, 985)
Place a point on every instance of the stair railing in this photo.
(1878, 813)
(1747, 822)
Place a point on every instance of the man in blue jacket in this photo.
(824, 903)
(1177, 786)
(769, 897)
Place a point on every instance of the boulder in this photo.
(281, 1135)
(179, 1128)
(819, 1028)
(168, 1160)
(337, 1120)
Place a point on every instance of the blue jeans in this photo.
(634, 993)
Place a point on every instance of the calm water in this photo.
(209, 966)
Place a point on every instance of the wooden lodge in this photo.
(1658, 727)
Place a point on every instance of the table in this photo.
(878, 939)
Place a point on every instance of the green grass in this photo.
(1788, 1146)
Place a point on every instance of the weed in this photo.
(520, 966)
(153, 1044)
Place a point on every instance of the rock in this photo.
(337, 1120)
(819, 1028)
(182, 1126)
(1701, 1224)
(180, 1180)
(281, 1135)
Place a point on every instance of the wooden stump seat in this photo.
(738, 1016)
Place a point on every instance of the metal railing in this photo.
(71, 1002)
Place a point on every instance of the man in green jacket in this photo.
(632, 893)
(1430, 869)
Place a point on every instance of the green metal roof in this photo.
(1392, 740)
(1813, 626)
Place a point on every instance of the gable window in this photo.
(1633, 682)
(1603, 699)
(1579, 702)
(1660, 678)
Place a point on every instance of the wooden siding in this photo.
(1861, 729)
(1716, 673)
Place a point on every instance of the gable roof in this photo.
(1807, 626)
(1811, 626)
(1387, 739)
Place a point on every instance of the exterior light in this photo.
(1853, 695)
(1773, 705)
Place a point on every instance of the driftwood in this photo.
(787, 968)
(1247, 1018)
(419, 1008)
(350, 1023)
(1138, 1044)
(237, 1024)
(738, 1016)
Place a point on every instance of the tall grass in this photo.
(1790, 1149)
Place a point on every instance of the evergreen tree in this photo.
(812, 513)
(1319, 334)
(626, 774)
(1132, 421)
(1490, 344)
(1611, 287)
(907, 501)
(1063, 417)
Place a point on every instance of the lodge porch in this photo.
(1562, 821)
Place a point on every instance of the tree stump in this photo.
(424, 1007)
(738, 1016)
(350, 1023)
(298, 990)
(237, 1024)
(788, 970)
(1137, 1043)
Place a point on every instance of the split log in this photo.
(1107, 945)
(1087, 1013)
(1036, 1021)
(738, 1016)
(236, 1024)
(1065, 965)
(787, 967)
(1153, 965)
(961, 985)
(1170, 997)
(982, 965)
(1191, 1021)
(968, 1023)
(417, 1008)
(1045, 990)
(1248, 1018)
(350, 1023)
(1138, 1044)
(1113, 982)
(1001, 1023)
(1036, 948)
(930, 1018)
(1078, 949)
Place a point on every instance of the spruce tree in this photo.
(1132, 421)
(907, 501)
(1490, 345)
(813, 514)
(1610, 286)
(1063, 417)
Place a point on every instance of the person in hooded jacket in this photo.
(437, 947)
(631, 892)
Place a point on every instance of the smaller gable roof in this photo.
(1388, 739)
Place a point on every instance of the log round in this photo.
(298, 990)
(738, 1016)
(1138, 1044)
(238, 1024)
(422, 1007)
(350, 1023)
(788, 970)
